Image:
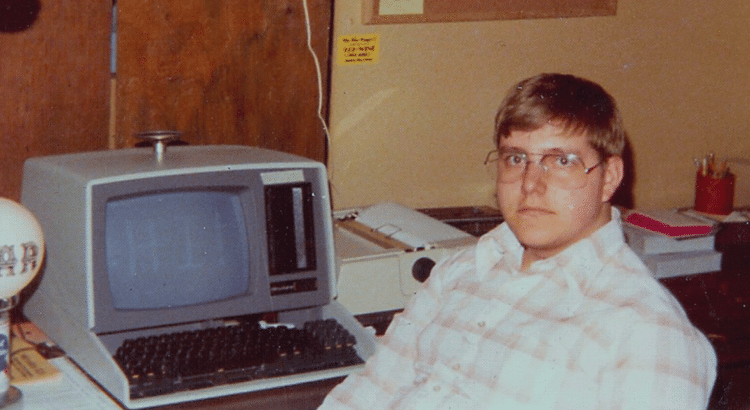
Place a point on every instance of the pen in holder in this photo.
(714, 194)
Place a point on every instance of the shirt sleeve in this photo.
(391, 368)
(660, 365)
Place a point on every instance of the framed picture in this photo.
(425, 11)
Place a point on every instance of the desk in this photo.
(306, 396)
(718, 303)
(73, 389)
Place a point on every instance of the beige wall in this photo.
(414, 128)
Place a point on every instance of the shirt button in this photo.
(456, 367)
(436, 388)
(481, 323)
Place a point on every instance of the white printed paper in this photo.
(407, 225)
(391, 7)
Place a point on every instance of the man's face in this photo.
(545, 216)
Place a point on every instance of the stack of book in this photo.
(671, 242)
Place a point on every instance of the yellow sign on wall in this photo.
(358, 49)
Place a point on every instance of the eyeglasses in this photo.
(560, 169)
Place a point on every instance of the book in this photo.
(647, 242)
(667, 265)
(670, 222)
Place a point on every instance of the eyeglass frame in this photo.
(544, 168)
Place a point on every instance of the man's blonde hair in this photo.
(578, 106)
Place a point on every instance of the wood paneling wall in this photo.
(54, 78)
(220, 71)
(223, 71)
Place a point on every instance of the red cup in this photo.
(714, 195)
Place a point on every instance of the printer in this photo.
(384, 254)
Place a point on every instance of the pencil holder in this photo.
(714, 195)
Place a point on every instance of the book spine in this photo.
(651, 244)
(682, 264)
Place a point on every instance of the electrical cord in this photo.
(44, 349)
(319, 77)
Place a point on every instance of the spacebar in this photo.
(160, 386)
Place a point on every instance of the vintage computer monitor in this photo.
(138, 244)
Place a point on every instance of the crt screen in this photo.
(176, 249)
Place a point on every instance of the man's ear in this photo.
(614, 172)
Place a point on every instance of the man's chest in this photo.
(485, 328)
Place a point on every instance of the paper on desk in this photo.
(734, 216)
(407, 225)
(26, 364)
(73, 391)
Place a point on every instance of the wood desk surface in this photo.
(305, 396)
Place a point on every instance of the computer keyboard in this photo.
(168, 363)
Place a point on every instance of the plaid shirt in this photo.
(586, 329)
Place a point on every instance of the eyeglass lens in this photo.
(562, 170)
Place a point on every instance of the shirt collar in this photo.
(588, 254)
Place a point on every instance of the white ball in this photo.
(21, 247)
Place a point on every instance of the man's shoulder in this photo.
(626, 283)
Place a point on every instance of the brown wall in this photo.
(223, 72)
(220, 72)
(54, 78)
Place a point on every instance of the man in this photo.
(550, 310)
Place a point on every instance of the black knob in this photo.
(421, 269)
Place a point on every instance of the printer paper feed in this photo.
(407, 225)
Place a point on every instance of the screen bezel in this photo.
(248, 185)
